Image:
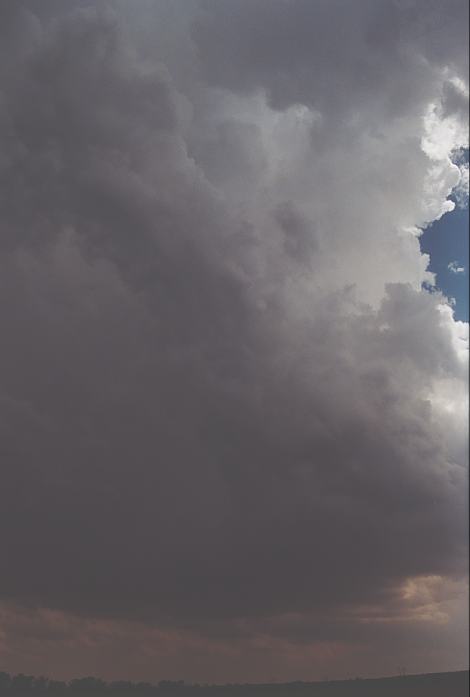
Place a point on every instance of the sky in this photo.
(233, 380)
(446, 242)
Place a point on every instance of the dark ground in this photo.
(434, 685)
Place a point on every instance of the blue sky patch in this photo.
(446, 242)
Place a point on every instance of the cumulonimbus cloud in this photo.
(227, 399)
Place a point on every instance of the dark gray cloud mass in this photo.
(228, 409)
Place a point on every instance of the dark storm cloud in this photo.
(334, 55)
(223, 393)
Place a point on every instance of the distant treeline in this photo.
(432, 685)
(30, 682)
(23, 682)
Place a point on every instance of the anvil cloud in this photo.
(232, 402)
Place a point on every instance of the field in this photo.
(432, 685)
